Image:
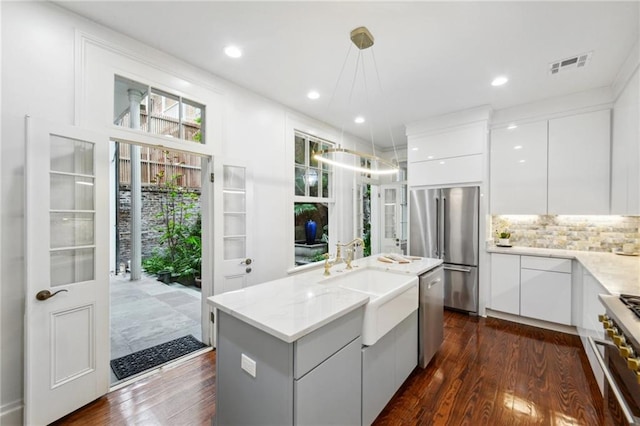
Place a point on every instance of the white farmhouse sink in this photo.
(392, 297)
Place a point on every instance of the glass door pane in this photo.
(234, 211)
(71, 211)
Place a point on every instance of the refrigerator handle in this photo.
(449, 268)
(437, 253)
(444, 224)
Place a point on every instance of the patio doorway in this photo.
(152, 316)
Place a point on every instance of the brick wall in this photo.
(151, 197)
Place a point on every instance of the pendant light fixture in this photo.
(352, 159)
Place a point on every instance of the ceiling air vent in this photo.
(578, 61)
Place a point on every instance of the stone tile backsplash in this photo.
(585, 233)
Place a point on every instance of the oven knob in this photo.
(612, 331)
(619, 340)
(607, 324)
(626, 351)
(602, 317)
(633, 364)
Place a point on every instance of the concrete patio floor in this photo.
(148, 312)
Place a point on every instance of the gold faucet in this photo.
(338, 259)
(350, 247)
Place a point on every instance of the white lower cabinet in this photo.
(545, 295)
(505, 283)
(532, 286)
(589, 326)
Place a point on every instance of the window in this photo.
(312, 194)
(161, 113)
(311, 176)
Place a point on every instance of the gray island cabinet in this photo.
(314, 350)
(313, 380)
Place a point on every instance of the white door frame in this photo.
(206, 209)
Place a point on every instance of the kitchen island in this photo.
(289, 351)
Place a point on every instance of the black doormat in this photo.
(146, 359)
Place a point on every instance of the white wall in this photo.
(40, 77)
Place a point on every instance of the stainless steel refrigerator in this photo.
(443, 224)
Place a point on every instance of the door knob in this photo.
(248, 270)
(247, 261)
(46, 294)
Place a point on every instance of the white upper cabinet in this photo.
(449, 149)
(449, 156)
(579, 158)
(467, 140)
(519, 169)
(625, 151)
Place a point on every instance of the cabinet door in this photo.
(466, 140)
(625, 151)
(330, 394)
(464, 169)
(579, 153)
(545, 295)
(519, 169)
(505, 283)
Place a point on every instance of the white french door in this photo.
(67, 288)
(393, 218)
(237, 263)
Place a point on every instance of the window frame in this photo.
(321, 169)
(151, 90)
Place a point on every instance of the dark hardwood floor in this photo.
(494, 372)
(184, 395)
(488, 372)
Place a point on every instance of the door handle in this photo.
(248, 270)
(247, 261)
(46, 294)
(432, 283)
(449, 268)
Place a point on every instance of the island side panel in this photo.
(241, 398)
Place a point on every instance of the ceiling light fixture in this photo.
(511, 127)
(347, 158)
(313, 95)
(233, 51)
(499, 81)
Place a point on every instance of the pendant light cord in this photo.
(393, 142)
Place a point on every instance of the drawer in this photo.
(546, 264)
(315, 347)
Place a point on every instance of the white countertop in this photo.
(292, 307)
(617, 273)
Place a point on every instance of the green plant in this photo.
(181, 238)
(304, 209)
(503, 234)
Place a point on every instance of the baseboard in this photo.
(11, 414)
(532, 322)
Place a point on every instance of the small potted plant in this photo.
(503, 237)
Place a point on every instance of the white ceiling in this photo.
(433, 57)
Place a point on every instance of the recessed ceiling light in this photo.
(442, 162)
(415, 148)
(359, 119)
(512, 126)
(429, 157)
(313, 95)
(522, 161)
(499, 81)
(233, 51)
(517, 147)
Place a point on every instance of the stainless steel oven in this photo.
(619, 358)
